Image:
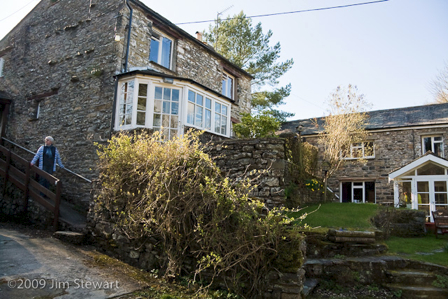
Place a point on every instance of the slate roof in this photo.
(382, 119)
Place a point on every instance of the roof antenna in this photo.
(216, 24)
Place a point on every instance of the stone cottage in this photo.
(407, 165)
(81, 70)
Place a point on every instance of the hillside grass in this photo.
(351, 216)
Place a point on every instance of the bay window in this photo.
(148, 102)
(200, 114)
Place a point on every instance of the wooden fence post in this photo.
(27, 188)
(57, 203)
(8, 163)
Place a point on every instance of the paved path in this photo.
(45, 267)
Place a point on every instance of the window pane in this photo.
(156, 122)
(174, 108)
(430, 169)
(167, 94)
(141, 104)
(141, 118)
(223, 124)
(142, 90)
(199, 100)
(190, 113)
(174, 121)
(440, 186)
(173, 133)
(154, 50)
(423, 198)
(438, 138)
(208, 119)
(165, 121)
(166, 52)
(157, 106)
(158, 94)
(438, 149)
(129, 109)
(217, 108)
(217, 123)
(198, 120)
(224, 110)
(422, 187)
(229, 87)
(427, 144)
(128, 119)
(208, 103)
(191, 96)
(175, 95)
(441, 198)
(166, 107)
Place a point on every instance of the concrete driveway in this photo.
(44, 267)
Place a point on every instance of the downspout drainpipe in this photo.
(129, 37)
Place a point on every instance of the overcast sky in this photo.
(391, 50)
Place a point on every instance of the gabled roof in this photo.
(382, 119)
(428, 157)
(172, 26)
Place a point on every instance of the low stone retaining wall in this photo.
(148, 254)
(401, 222)
(12, 206)
(326, 245)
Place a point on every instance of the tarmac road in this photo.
(45, 267)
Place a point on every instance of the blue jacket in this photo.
(39, 154)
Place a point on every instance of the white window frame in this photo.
(356, 185)
(226, 77)
(214, 101)
(184, 88)
(433, 142)
(360, 146)
(2, 63)
(159, 37)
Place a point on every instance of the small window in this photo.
(433, 144)
(227, 85)
(161, 51)
(361, 150)
(2, 61)
(126, 103)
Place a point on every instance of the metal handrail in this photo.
(31, 152)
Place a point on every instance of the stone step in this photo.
(308, 286)
(416, 292)
(411, 277)
(70, 237)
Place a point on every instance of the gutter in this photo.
(129, 37)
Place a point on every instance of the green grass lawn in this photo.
(426, 249)
(351, 216)
(354, 216)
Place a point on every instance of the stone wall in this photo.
(238, 157)
(12, 207)
(393, 149)
(148, 254)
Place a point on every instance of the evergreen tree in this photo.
(248, 47)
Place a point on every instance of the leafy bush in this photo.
(174, 191)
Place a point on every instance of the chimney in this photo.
(199, 35)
